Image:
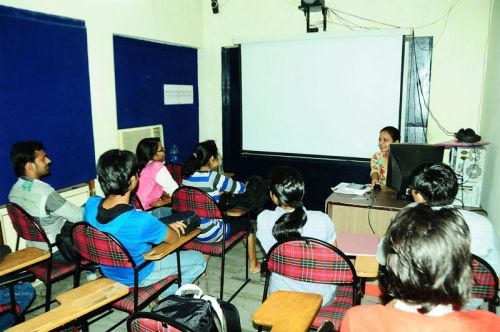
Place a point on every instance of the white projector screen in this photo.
(320, 96)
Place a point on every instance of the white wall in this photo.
(491, 119)
(458, 64)
(458, 55)
(458, 60)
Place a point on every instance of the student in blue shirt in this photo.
(137, 230)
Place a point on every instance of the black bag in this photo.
(4, 250)
(199, 313)
(189, 218)
(64, 244)
(255, 197)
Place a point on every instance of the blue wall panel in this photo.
(45, 94)
(141, 69)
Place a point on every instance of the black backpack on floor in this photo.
(190, 310)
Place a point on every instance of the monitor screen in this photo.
(404, 158)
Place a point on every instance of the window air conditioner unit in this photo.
(129, 138)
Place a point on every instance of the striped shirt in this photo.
(214, 184)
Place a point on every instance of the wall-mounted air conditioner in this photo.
(129, 137)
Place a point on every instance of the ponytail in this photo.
(201, 155)
(287, 184)
(288, 225)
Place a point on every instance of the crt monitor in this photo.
(403, 159)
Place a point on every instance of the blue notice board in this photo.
(45, 94)
(142, 68)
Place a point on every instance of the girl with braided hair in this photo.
(290, 219)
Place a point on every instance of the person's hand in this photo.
(179, 227)
(164, 200)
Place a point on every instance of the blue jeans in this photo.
(161, 212)
(24, 294)
(193, 264)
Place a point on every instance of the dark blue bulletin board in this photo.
(45, 94)
(141, 69)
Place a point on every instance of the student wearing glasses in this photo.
(156, 184)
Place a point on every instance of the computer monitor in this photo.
(403, 159)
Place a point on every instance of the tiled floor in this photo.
(247, 301)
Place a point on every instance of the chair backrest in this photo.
(187, 198)
(150, 322)
(99, 247)
(176, 171)
(485, 280)
(136, 202)
(26, 226)
(311, 260)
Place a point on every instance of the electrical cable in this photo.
(421, 94)
(372, 196)
(366, 19)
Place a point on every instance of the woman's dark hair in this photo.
(393, 132)
(437, 183)
(146, 150)
(115, 168)
(22, 153)
(428, 258)
(287, 184)
(200, 156)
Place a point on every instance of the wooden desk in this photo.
(75, 304)
(164, 249)
(363, 248)
(357, 244)
(353, 214)
(18, 260)
(366, 266)
(288, 311)
(235, 212)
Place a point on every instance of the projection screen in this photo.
(323, 96)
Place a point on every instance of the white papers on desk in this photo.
(351, 188)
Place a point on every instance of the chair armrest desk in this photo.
(75, 304)
(288, 311)
(21, 259)
(163, 249)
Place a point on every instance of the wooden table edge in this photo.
(163, 249)
(269, 302)
(41, 255)
(74, 306)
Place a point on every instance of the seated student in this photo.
(55, 214)
(291, 219)
(379, 161)
(429, 276)
(136, 230)
(155, 181)
(436, 185)
(200, 171)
